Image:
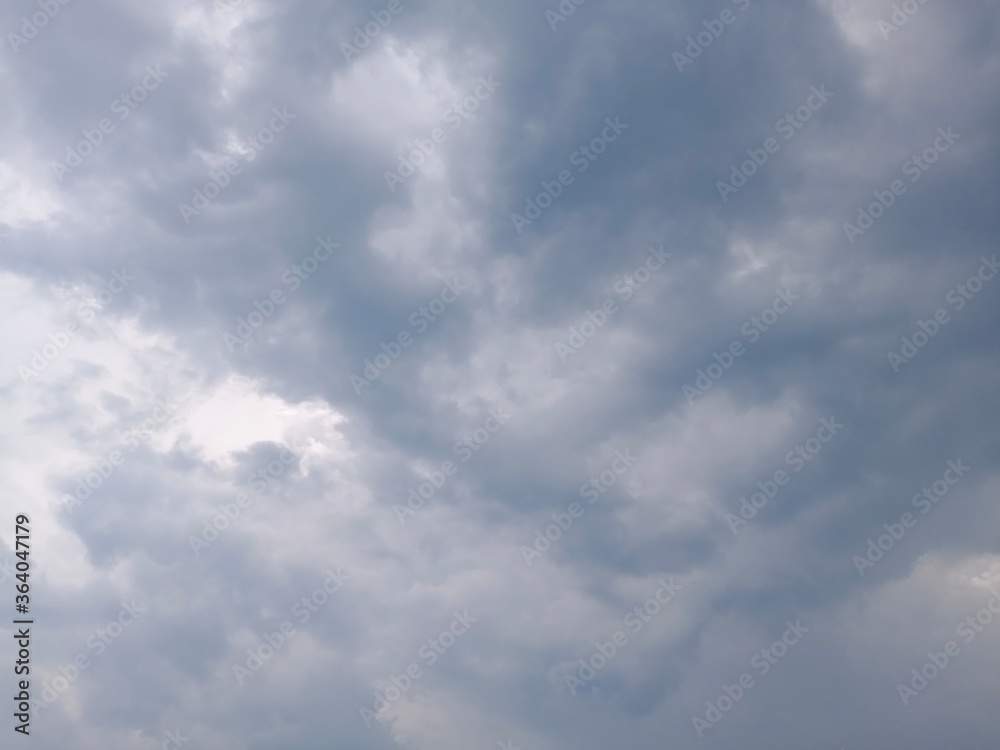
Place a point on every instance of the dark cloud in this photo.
(262, 548)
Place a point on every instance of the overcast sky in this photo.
(438, 374)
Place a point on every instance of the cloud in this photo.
(284, 469)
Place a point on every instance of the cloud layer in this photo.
(447, 374)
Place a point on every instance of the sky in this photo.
(527, 375)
